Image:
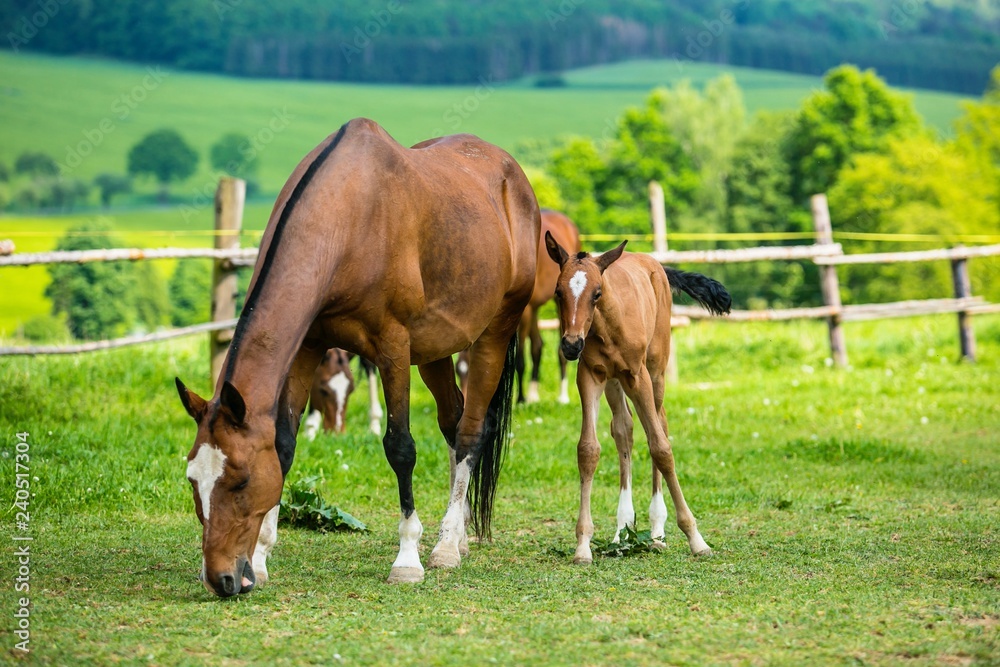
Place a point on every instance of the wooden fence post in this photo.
(963, 290)
(828, 279)
(229, 198)
(658, 212)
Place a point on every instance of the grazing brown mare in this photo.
(404, 256)
(614, 316)
(333, 384)
(546, 274)
(332, 387)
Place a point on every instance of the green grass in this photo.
(854, 517)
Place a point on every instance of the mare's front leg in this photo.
(439, 376)
(647, 396)
(401, 453)
(588, 452)
(621, 431)
(290, 407)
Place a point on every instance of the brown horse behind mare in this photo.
(403, 256)
(546, 275)
(615, 318)
(333, 384)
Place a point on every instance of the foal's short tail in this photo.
(483, 484)
(706, 291)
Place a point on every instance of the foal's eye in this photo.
(597, 295)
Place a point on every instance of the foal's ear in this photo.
(609, 258)
(556, 252)
(193, 403)
(232, 402)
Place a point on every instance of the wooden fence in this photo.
(229, 257)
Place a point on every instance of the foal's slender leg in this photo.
(374, 406)
(486, 362)
(402, 455)
(439, 376)
(588, 452)
(621, 431)
(536, 356)
(649, 406)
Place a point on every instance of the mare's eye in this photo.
(242, 485)
(559, 294)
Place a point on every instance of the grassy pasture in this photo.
(854, 516)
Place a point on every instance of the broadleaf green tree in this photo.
(190, 291)
(165, 156)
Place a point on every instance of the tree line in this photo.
(942, 44)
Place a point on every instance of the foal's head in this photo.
(333, 384)
(234, 472)
(577, 292)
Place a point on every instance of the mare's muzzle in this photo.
(572, 349)
(230, 583)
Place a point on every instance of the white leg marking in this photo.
(626, 513)
(446, 553)
(204, 469)
(564, 392)
(407, 567)
(463, 367)
(657, 516)
(265, 542)
(338, 385)
(532, 396)
(313, 422)
(374, 407)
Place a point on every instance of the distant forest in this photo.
(941, 44)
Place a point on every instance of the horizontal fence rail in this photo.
(228, 257)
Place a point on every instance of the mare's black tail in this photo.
(706, 291)
(483, 484)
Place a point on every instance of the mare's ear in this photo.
(555, 250)
(193, 403)
(608, 258)
(232, 403)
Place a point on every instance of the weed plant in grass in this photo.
(853, 514)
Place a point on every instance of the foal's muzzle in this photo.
(571, 349)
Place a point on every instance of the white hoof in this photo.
(583, 560)
(406, 575)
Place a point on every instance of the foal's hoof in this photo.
(446, 558)
(406, 575)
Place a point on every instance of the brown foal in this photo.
(614, 316)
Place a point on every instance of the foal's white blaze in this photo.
(338, 385)
(657, 516)
(577, 284)
(374, 407)
(204, 469)
(626, 512)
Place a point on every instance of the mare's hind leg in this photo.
(648, 400)
(621, 431)
(487, 358)
(536, 357)
(402, 456)
(588, 452)
(439, 376)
